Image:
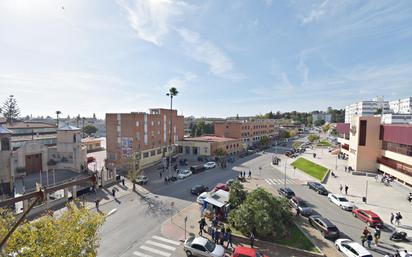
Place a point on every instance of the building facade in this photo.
(327, 117)
(366, 108)
(249, 131)
(396, 118)
(141, 135)
(401, 106)
(207, 146)
(375, 147)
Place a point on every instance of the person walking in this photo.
(213, 231)
(244, 174)
(123, 181)
(160, 174)
(392, 217)
(201, 226)
(363, 239)
(346, 168)
(114, 192)
(346, 189)
(340, 188)
(398, 218)
(369, 239)
(377, 235)
(229, 237)
(252, 239)
(222, 235)
(250, 174)
(217, 236)
(97, 202)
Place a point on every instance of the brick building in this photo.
(249, 131)
(141, 135)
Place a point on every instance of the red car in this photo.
(221, 186)
(371, 218)
(242, 251)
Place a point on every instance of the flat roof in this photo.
(211, 139)
(28, 124)
(34, 137)
(91, 139)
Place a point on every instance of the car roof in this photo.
(245, 251)
(199, 186)
(371, 213)
(200, 241)
(358, 248)
(287, 189)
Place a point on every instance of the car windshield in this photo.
(333, 229)
(210, 246)
(303, 204)
(376, 218)
(343, 199)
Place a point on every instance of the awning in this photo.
(214, 202)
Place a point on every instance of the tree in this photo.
(284, 133)
(10, 109)
(220, 152)
(133, 170)
(319, 123)
(326, 127)
(312, 138)
(237, 194)
(264, 141)
(89, 129)
(73, 233)
(262, 213)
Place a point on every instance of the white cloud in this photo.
(181, 81)
(316, 12)
(151, 19)
(206, 52)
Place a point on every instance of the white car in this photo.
(209, 165)
(341, 201)
(351, 249)
(184, 174)
(202, 247)
(201, 197)
(405, 253)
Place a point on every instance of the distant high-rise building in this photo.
(366, 108)
(401, 106)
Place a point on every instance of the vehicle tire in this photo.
(338, 248)
(188, 253)
(310, 222)
(341, 207)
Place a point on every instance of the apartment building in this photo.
(375, 147)
(250, 131)
(401, 106)
(193, 147)
(366, 108)
(327, 117)
(141, 135)
(397, 118)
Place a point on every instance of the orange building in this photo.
(250, 131)
(141, 135)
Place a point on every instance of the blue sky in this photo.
(225, 57)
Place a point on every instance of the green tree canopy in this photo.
(73, 233)
(201, 128)
(89, 129)
(313, 137)
(262, 213)
(264, 141)
(237, 194)
(10, 109)
(319, 123)
(220, 152)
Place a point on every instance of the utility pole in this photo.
(172, 92)
(286, 160)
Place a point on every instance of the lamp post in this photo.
(286, 160)
(172, 92)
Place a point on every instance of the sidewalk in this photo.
(381, 199)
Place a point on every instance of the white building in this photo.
(396, 118)
(366, 108)
(327, 117)
(403, 106)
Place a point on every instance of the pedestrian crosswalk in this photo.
(157, 246)
(281, 181)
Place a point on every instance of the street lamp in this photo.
(286, 160)
(172, 92)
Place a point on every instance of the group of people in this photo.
(367, 236)
(219, 235)
(397, 218)
(348, 169)
(346, 189)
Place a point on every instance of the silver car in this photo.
(202, 247)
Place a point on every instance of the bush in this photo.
(262, 213)
(237, 194)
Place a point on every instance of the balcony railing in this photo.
(401, 167)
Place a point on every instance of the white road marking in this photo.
(150, 249)
(268, 181)
(166, 240)
(171, 248)
(141, 254)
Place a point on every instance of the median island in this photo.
(315, 170)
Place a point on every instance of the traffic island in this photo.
(314, 170)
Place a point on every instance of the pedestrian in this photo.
(244, 174)
(160, 174)
(222, 235)
(369, 239)
(398, 218)
(346, 189)
(346, 168)
(377, 235)
(229, 237)
(250, 174)
(213, 231)
(297, 211)
(363, 239)
(97, 204)
(113, 192)
(217, 236)
(340, 188)
(123, 181)
(392, 217)
(200, 227)
(252, 239)
(365, 231)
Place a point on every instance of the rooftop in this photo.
(210, 139)
(4, 130)
(68, 127)
(28, 124)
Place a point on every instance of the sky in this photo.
(224, 57)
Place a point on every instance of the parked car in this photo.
(184, 174)
(203, 247)
(209, 165)
(318, 187)
(341, 201)
(243, 251)
(286, 192)
(371, 218)
(327, 228)
(142, 180)
(351, 249)
(197, 168)
(221, 186)
(198, 189)
(201, 197)
(405, 253)
(303, 207)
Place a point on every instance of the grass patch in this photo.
(296, 144)
(324, 143)
(310, 168)
(298, 240)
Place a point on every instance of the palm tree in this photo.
(58, 113)
(172, 92)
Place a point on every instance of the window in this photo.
(146, 154)
(137, 135)
(5, 144)
(112, 156)
(137, 124)
(159, 151)
(152, 123)
(362, 132)
(152, 153)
